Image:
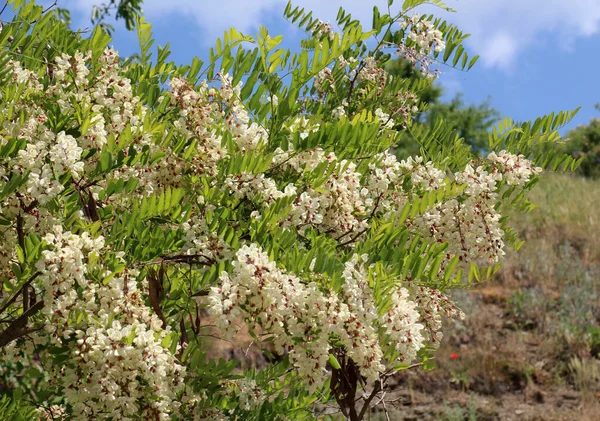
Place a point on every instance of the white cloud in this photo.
(501, 29)
(500, 50)
(215, 16)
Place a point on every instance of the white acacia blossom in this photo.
(119, 363)
(425, 39)
(301, 318)
(118, 266)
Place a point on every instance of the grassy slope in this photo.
(528, 349)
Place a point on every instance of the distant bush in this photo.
(584, 142)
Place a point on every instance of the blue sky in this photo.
(537, 56)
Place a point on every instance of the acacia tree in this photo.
(258, 187)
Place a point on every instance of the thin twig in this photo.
(365, 408)
(387, 415)
(361, 232)
(50, 7)
(4, 8)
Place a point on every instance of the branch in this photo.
(183, 258)
(25, 285)
(361, 232)
(50, 7)
(155, 291)
(18, 328)
(374, 393)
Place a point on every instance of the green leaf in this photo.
(334, 362)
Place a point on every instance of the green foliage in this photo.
(427, 91)
(583, 143)
(16, 410)
(145, 230)
(526, 137)
(470, 122)
(128, 10)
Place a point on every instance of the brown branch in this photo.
(20, 232)
(374, 392)
(191, 259)
(31, 206)
(25, 285)
(184, 339)
(387, 415)
(353, 239)
(21, 240)
(155, 290)
(18, 328)
(361, 232)
(25, 298)
(90, 209)
(344, 383)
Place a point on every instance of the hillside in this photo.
(528, 348)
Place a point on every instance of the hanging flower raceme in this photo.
(141, 206)
(301, 319)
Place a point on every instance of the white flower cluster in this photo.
(302, 319)
(339, 206)
(257, 187)
(347, 199)
(426, 39)
(324, 82)
(371, 73)
(423, 33)
(385, 119)
(322, 29)
(119, 366)
(470, 224)
(342, 205)
(303, 126)
(52, 413)
(106, 92)
(432, 305)
(250, 395)
(21, 76)
(205, 113)
(360, 327)
(199, 240)
(369, 78)
(62, 268)
(424, 176)
(403, 327)
(280, 304)
(46, 160)
(404, 105)
(516, 169)
(200, 115)
(338, 112)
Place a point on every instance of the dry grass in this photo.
(568, 209)
(532, 334)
